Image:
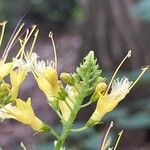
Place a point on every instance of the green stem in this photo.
(86, 104)
(47, 128)
(68, 125)
(79, 129)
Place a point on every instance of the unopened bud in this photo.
(62, 94)
(101, 87)
(67, 78)
(4, 87)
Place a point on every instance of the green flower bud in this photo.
(62, 94)
(67, 78)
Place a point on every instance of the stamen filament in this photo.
(23, 146)
(5, 54)
(27, 37)
(127, 56)
(21, 51)
(120, 134)
(141, 74)
(21, 42)
(54, 49)
(106, 135)
(86, 104)
(3, 24)
(34, 40)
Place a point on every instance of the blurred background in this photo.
(110, 28)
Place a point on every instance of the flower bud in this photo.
(100, 88)
(62, 94)
(67, 78)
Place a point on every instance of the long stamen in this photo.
(5, 54)
(23, 146)
(27, 37)
(3, 24)
(54, 49)
(35, 74)
(14, 32)
(22, 44)
(120, 134)
(106, 135)
(34, 40)
(141, 74)
(127, 56)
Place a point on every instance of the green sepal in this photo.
(45, 128)
(92, 122)
(94, 97)
(62, 94)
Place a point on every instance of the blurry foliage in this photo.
(135, 115)
(142, 10)
(89, 140)
(54, 11)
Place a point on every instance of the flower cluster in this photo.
(65, 94)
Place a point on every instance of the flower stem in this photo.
(68, 125)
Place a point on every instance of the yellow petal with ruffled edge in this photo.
(22, 112)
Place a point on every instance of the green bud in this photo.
(67, 78)
(46, 128)
(62, 94)
(100, 88)
(5, 95)
(4, 87)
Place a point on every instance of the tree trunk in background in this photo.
(111, 31)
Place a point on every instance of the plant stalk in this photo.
(68, 125)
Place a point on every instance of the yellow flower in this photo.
(5, 68)
(22, 112)
(47, 80)
(108, 101)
